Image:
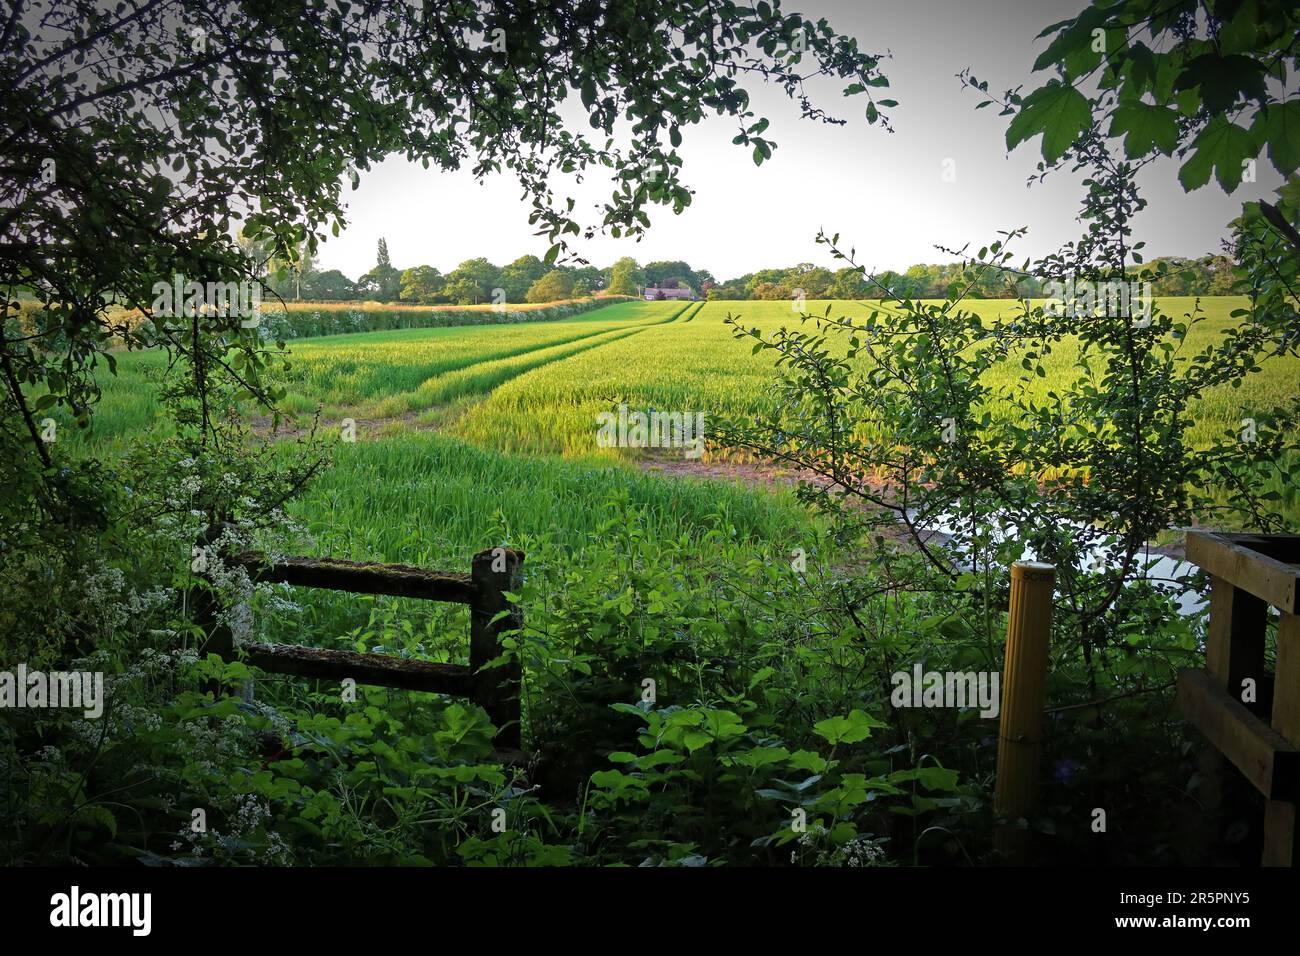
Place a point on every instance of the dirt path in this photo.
(771, 475)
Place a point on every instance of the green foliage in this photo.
(381, 284)
(900, 412)
(625, 277)
(518, 277)
(656, 273)
(703, 725)
(1208, 275)
(1170, 82)
(422, 284)
(553, 286)
(472, 282)
(330, 285)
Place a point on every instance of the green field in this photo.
(386, 374)
(536, 388)
(522, 397)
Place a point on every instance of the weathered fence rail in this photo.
(1249, 716)
(492, 574)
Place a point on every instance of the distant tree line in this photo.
(1208, 275)
(474, 281)
(529, 279)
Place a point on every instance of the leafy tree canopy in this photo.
(555, 285)
(624, 277)
(421, 284)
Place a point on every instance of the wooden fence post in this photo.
(496, 690)
(1029, 625)
(1248, 574)
(1281, 832)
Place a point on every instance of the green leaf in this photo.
(1147, 127)
(1222, 80)
(932, 778)
(1278, 125)
(101, 816)
(1222, 146)
(1061, 113)
(693, 740)
(846, 730)
(1075, 38)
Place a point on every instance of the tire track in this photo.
(698, 306)
(519, 368)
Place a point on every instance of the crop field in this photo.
(701, 366)
(382, 374)
(536, 388)
(524, 396)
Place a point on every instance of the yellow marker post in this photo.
(1024, 687)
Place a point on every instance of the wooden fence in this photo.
(492, 573)
(1248, 715)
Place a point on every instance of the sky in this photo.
(884, 193)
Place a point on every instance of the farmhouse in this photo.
(655, 293)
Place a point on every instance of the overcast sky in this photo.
(884, 193)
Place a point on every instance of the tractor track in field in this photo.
(458, 365)
(629, 329)
(372, 426)
(610, 335)
(550, 345)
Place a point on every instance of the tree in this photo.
(625, 277)
(472, 281)
(656, 273)
(898, 411)
(280, 270)
(329, 285)
(421, 284)
(732, 289)
(848, 283)
(812, 282)
(518, 277)
(382, 284)
(589, 279)
(1170, 82)
(552, 287)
